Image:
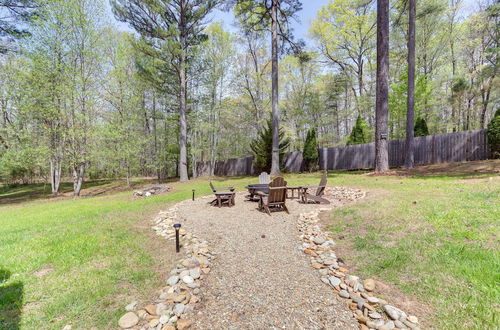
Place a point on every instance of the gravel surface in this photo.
(260, 278)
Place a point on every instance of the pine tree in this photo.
(421, 128)
(170, 32)
(14, 19)
(262, 147)
(494, 135)
(257, 15)
(382, 88)
(359, 132)
(310, 153)
(410, 100)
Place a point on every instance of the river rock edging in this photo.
(370, 311)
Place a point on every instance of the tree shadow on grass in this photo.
(11, 301)
(20, 193)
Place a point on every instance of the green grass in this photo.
(98, 255)
(442, 250)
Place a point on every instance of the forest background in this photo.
(85, 94)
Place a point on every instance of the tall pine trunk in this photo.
(183, 170)
(410, 111)
(275, 159)
(194, 140)
(183, 173)
(155, 138)
(382, 106)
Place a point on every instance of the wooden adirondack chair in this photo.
(264, 178)
(219, 190)
(276, 198)
(320, 191)
(225, 196)
(212, 187)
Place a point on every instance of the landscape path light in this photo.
(177, 227)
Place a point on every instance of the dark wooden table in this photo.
(294, 192)
(225, 196)
(253, 190)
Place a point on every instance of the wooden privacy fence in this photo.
(232, 166)
(432, 149)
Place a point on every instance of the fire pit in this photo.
(254, 188)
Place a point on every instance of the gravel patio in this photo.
(260, 277)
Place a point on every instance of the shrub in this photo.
(359, 133)
(310, 153)
(421, 128)
(262, 147)
(18, 165)
(494, 135)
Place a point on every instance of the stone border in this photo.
(370, 311)
(170, 309)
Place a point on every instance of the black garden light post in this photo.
(193, 195)
(177, 226)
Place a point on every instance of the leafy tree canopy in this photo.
(255, 15)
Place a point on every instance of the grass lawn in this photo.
(79, 261)
(432, 238)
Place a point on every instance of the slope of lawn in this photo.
(79, 261)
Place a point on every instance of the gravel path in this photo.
(260, 278)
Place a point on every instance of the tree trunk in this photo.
(194, 140)
(128, 172)
(55, 174)
(78, 172)
(257, 100)
(410, 111)
(360, 80)
(214, 131)
(467, 118)
(275, 160)
(485, 95)
(217, 138)
(454, 117)
(382, 106)
(183, 171)
(155, 138)
(346, 103)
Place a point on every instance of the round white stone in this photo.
(187, 279)
(172, 280)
